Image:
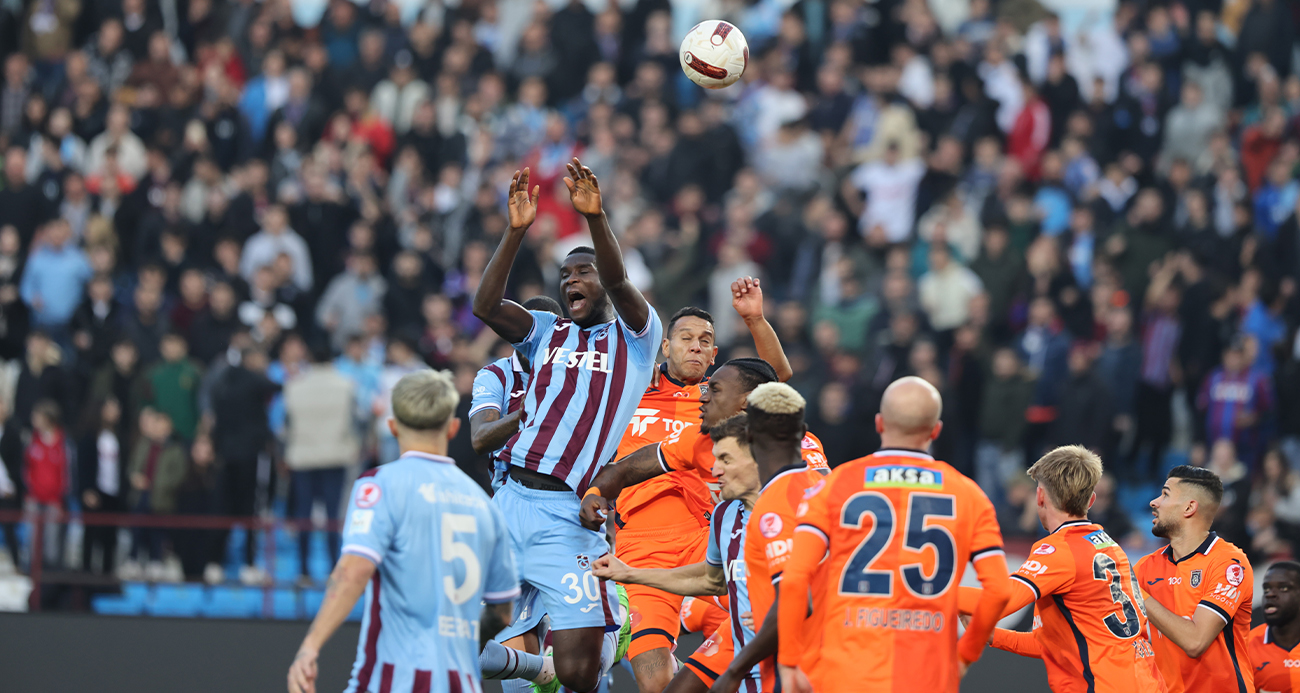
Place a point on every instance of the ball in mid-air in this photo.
(714, 54)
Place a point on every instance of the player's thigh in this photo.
(527, 642)
(653, 669)
(688, 680)
(656, 619)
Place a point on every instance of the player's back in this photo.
(441, 550)
(901, 528)
(1089, 624)
(667, 410)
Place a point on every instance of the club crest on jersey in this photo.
(1045, 550)
(1100, 539)
(1196, 578)
(1236, 574)
(368, 494)
(902, 476)
(584, 563)
(769, 525)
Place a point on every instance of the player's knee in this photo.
(652, 670)
(581, 674)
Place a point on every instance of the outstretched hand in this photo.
(584, 189)
(522, 208)
(747, 298)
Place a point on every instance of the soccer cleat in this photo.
(552, 686)
(625, 632)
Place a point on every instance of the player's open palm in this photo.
(584, 189)
(747, 298)
(522, 207)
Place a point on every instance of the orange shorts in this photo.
(656, 615)
(703, 614)
(714, 655)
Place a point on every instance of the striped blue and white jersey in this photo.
(584, 388)
(727, 550)
(500, 386)
(440, 549)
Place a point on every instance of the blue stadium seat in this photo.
(130, 602)
(284, 604)
(175, 600)
(311, 601)
(233, 602)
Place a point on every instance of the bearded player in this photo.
(662, 523)
(588, 374)
(722, 572)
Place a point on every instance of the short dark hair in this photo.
(1291, 566)
(688, 311)
(735, 427)
(753, 372)
(582, 250)
(546, 304)
(1201, 478)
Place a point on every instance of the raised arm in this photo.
(747, 299)
(643, 464)
(694, 580)
(507, 318)
(488, 430)
(584, 193)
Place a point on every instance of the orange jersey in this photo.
(1089, 624)
(666, 411)
(693, 451)
(1216, 577)
(1276, 670)
(897, 529)
(768, 540)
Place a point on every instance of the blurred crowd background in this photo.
(227, 227)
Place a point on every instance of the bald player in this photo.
(1198, 590)
(882, 546)
(1275, 644)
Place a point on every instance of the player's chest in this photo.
(1276, 670)
(1181, 586)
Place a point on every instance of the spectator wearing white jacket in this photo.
(276, 239)
(395, 98)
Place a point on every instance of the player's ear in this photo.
(934, 433)
(392, 426)
(453, 427)
(714, 356)
(1092, 500)
(1192, 506)
(664, 347)
(880, 423)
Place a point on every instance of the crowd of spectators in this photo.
(227, 227)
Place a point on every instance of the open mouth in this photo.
(576, 301)
(1270, 608)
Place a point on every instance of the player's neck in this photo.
(425, 444)
(1187, 540)
(1052, 520)
(890, 441)
(1287, 635)
(598, 318)
(750, 498)
(676, 376)
(772, 456)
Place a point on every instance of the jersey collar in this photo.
(514, 363)
(663, 370)
(782, 472)
(1072, 523)
(904, 452)
(1210, 540)
(431, 458)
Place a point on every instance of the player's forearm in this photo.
(768, 346)
(490, 297)
(1192, 636)
(627, 300)
(1015, 642)
(992, 572)
(641, 465)
(694, 580)
(345, 586)
(491, 435)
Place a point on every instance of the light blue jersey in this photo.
(499, 386)
(440, 549)
(727, 550)
(585, 386)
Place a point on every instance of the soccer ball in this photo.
(714, 54)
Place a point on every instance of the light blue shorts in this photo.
(553, 553)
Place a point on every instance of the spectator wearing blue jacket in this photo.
(1044, 348)
(55, 277)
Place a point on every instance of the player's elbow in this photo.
(1199, 645)
(478, 442)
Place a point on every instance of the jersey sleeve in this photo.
(489, 392)
(1231, 585)
(1048, 570)
(542, 324)
(643, 346)
(713, 555)
(369, 526)
(676, 454)
(814, 455)
(502, 582)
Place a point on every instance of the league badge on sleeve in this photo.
(770, 525)
(368, 494)
(1236, 574)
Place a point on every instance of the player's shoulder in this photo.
(1258, 634)
(1221, 549)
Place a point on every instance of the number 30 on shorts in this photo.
(584, 584)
